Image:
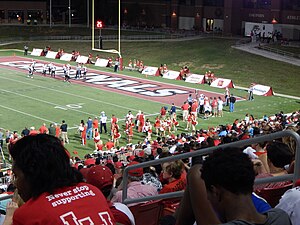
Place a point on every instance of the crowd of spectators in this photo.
(268, 158)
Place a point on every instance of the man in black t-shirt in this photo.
(64, 132)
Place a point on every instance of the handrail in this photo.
(295, 176)
(279, 51)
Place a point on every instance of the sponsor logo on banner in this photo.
(222, 83)
(262, 90)
(195, 79)
(110, 82)
(150, 71)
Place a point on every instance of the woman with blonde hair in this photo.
(174, 173)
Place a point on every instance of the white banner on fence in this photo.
(51, 55)
(66, 57)
(262, 90)
(173, 75)
(151, 71)
(195, 79)
(222, 83)
(101, 62)
(36, 52)
(82, 59)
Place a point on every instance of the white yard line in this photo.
(77, 96)
(27, 114)
(50, 103)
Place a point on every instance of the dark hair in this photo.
(45, 163)
(229, 168)
(279, 154)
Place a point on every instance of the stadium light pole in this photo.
(50, 16)
(119, 48)
(88, 13)
(69, 13)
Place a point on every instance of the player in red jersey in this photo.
(53, 191)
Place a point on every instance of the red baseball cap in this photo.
(118, 165)
(132, 157)
(138, 172)
(84, 172)
(100, 176)
(89, 161)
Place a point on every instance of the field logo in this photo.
(111, 82)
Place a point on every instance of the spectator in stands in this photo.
(135, 188)
(226, 181)
(150, 177)
(44, 188)
(102, 178)
(175, 174)
(290, 203)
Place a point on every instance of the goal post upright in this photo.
(119, 35)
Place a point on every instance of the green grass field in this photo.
(31, 102)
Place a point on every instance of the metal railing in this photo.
(295, 176)
(278, 51)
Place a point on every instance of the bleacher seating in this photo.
(273, 195)
(147, 213)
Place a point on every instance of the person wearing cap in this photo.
(101, 177)
(135, 189)
(33, 131)
(57, 195)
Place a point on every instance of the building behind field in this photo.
(227, 17)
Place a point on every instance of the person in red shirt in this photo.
(109, 145)
(141, 121)
(129, 132)
(33, 131)
(175, 174)
(116, 135)
(95, 126)
(163, 112)
(194, 108)
(83, 134)
(214, 106)
(57, 130)
(43, 129)
(157, 125)
(102, 178)
(114, 120)
(185, 110)
(60, 192)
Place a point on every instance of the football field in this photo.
(27, 102)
